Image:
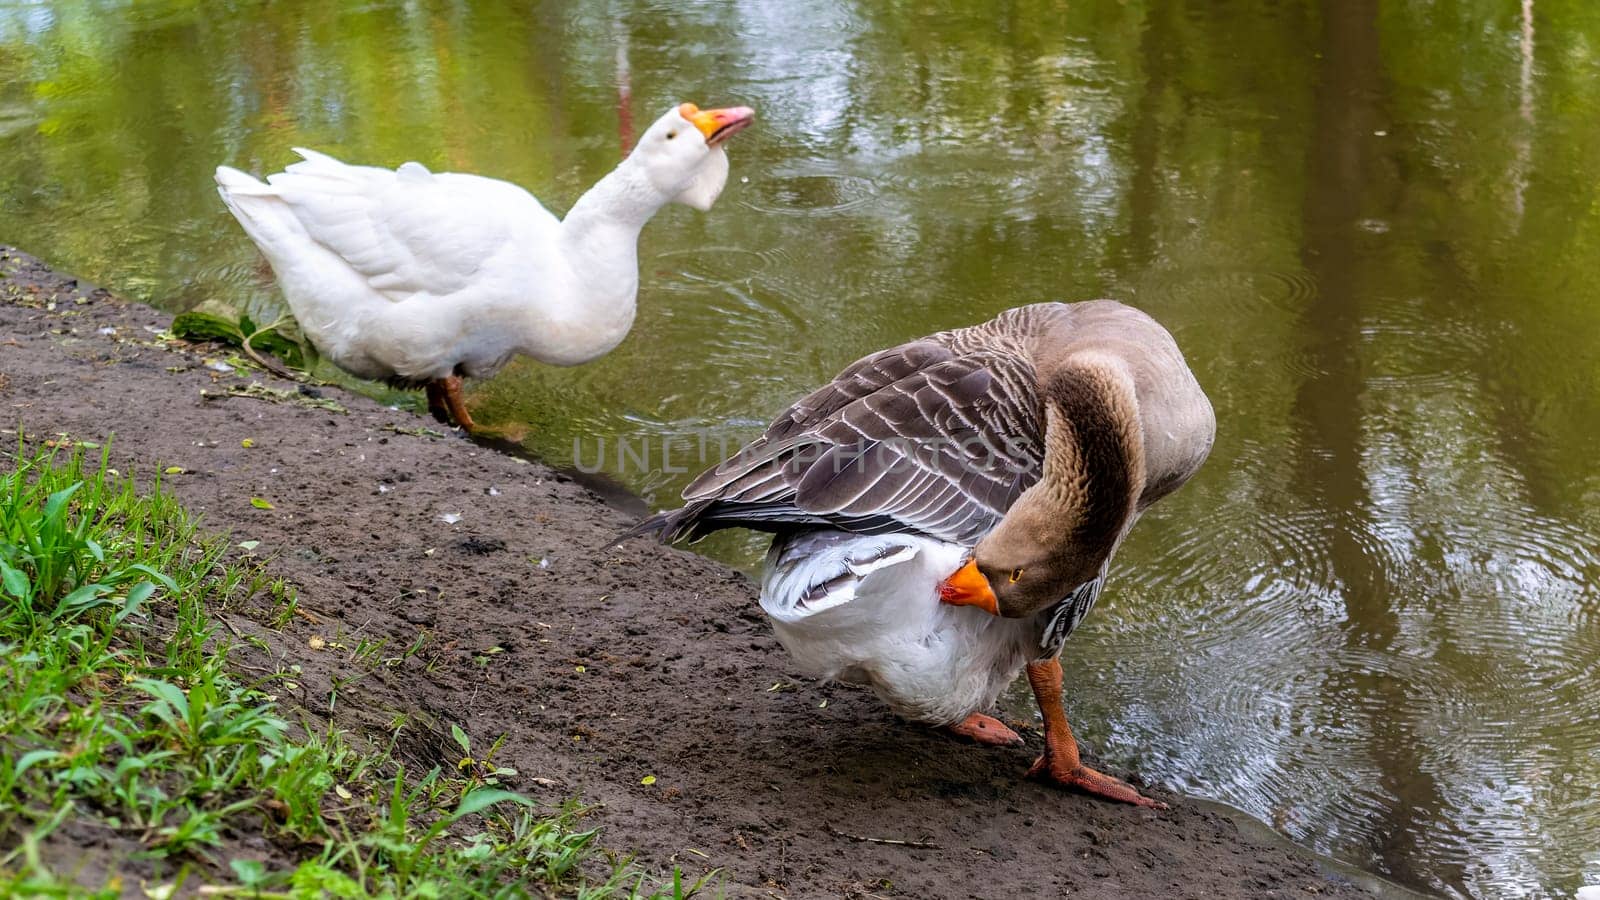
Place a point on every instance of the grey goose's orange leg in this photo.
(1060, 763)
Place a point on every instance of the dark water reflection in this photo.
(1371, 621)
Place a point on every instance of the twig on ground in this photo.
(224, 620)
(274, 368)
(918, 845)
(261, 361)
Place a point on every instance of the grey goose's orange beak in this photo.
(718, 124)
(968, 587)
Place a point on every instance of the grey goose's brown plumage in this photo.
(1034, 439)
(941, 435)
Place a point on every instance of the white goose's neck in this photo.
(600, 243)
(624, 199)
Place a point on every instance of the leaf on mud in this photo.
(579, 669)
(203, 326)
(247, 546)
(247, 443)
(259, 503)
(255, 390)
(648, 780)
(174, 470)
(414, 432)
(316, 642)
(343, 792)
(214, 320)
(450, 518)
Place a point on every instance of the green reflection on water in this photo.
(1372, 619)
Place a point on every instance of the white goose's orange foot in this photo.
(458, 405)
(986, 730)
(437, 407)
(447, 404)
(1096, 784)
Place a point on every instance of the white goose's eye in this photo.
(671, 135)
(1016, 575)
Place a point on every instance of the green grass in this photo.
(120, 721)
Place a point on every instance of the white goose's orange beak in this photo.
(718, 124)
(968, 587)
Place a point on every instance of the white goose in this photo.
(994, 468)
(420, 278)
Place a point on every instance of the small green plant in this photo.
(156, 741)
(52, 568)
(480, 771)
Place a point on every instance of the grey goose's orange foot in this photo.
(1087, 780)
(446, 403)
(986, 730)
(1060, 764)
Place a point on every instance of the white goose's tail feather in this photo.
(232, 181)
(319, 286)
(256, 204)
(250, 199)
(314, 159)
(321, 173)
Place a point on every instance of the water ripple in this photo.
(810, 193)
(1370, 681)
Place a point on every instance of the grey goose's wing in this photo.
(922, 438)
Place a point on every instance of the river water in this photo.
(1372, 620)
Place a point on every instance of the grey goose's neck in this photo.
(1094, 452)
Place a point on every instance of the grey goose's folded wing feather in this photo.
(936, 437)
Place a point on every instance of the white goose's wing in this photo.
(408, 231)
(927, 438)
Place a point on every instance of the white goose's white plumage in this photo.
(414, 276)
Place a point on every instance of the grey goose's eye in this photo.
(1016, 575)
